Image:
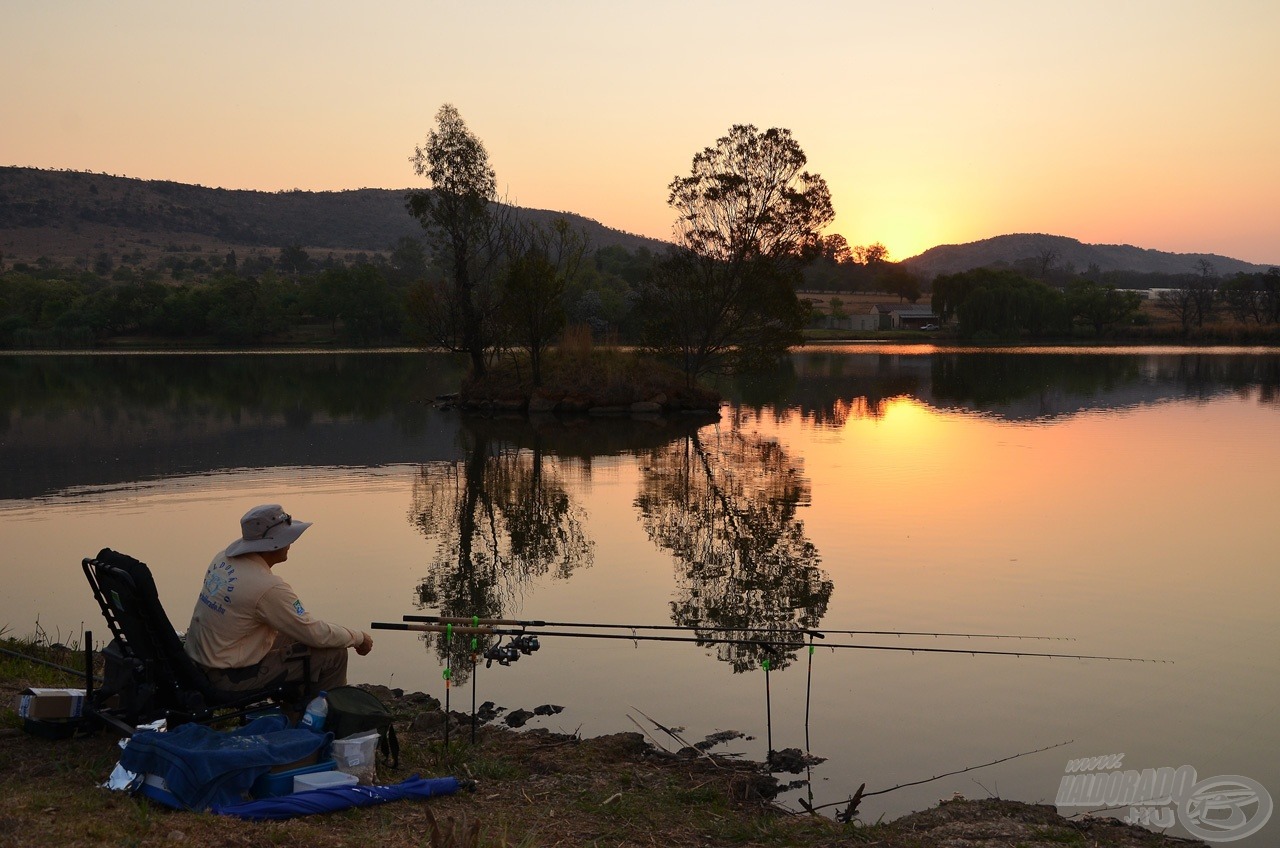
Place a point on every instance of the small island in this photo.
(587, 382)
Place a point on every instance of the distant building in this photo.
(897, 316)
(856, 322)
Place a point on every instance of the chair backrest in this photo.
(126, 591)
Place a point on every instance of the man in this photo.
(248, 621)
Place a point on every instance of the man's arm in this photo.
(280, 608)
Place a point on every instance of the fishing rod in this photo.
(473, 621)
(28, 658)
(764, 643)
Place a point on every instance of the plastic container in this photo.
(317, 712)
(322, 780)
(356, 754)
(281, 783)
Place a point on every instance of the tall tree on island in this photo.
(749, 218)
(464, 224)
(542, 262)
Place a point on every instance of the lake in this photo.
(1121, 501)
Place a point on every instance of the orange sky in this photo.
(1147, 123)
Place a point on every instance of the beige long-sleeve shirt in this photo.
(244, 606)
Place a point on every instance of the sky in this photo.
(1155, 124)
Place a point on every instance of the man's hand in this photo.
(366, 646)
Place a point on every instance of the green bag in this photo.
(353, 710)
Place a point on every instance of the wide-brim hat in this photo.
(266, 528)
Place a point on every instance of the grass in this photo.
(534, 788)
(577, 369)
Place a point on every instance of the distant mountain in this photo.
(73, 216)
(1011, 250)
(68, 214)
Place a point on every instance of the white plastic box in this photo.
(355, 754)
(322, 780)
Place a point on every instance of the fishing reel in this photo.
(526, 643)
(519, 646)
(501, 654)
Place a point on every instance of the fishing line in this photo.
(475, 658)
(768, 713)
(437, 619)
(448, 680)
(763, 643)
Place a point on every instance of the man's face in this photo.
(276, 557)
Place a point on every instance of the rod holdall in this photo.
(353, 710)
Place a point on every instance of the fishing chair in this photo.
(148, 675)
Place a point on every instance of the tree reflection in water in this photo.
(500, 518)
(723, 501)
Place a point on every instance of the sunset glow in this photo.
(1139, 123)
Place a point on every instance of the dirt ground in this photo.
(532, 788)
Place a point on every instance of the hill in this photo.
(69, 215)
(1011, 250)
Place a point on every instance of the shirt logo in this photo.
(297, 607)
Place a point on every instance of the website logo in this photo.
(1218, 809)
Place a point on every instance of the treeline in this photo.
(365, 300)
(1003, 304)
(991, 304)
(863, 268)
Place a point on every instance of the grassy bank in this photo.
(578, 377)
(534, 788)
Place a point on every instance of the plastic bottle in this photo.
(317, 712)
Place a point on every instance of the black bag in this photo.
(353, 710)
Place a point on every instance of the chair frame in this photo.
(166, 682)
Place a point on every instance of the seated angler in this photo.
(248, 621)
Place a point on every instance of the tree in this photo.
(994, 303)
(408, 260)
(870, 254)
(534, 287)
(1204, 291)
(1243, 297)
(1179, 302)
(293, 259)
(835, 248)
(1101, 306)
(464, 228)
(749, 217)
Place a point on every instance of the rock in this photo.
(646, 406)
(660, 399)
(488, 712)
(518, 718)
(548, 709)
(717, 738)
(427, 702)
(608, 410)
(791, 760)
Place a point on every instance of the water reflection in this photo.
(89, 420)
(499, 519)
(723, 502)
(828, 388)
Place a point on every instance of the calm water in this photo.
(1124, 500)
